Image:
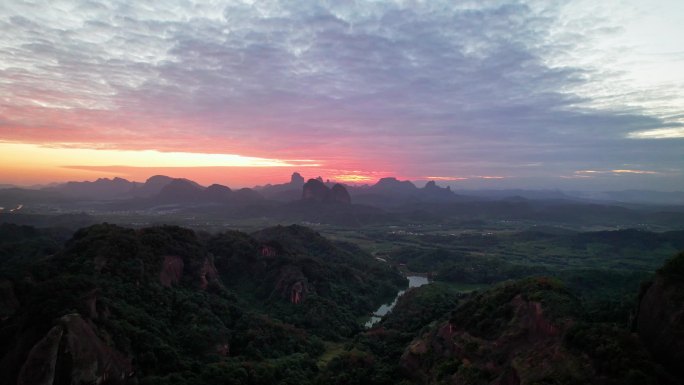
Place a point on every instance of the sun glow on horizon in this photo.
(353, 178)
(30, 163)
(34, 154)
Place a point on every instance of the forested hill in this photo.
(284, 305)
(167, 305)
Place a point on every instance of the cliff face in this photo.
(292, 285)
(71, 352)
(531, 331)
(115, 305)
(660, 319)
(499, 337)
(171, 271)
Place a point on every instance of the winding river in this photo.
(414, 281)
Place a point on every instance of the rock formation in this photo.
(171, 271)
(517, 340)
(72, 352)
(339, 194)
(297, 180)
(315, 190)
(208, 273)
(292, 284)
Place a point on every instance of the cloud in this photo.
(659, 133)
(414, 88)
(592, 173)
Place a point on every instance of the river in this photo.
(414, 281)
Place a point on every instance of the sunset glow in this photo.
(512, 94)
(353, 178)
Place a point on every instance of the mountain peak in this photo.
(297, 179)
(316, 191)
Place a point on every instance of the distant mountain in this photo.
(152, 186)
(20, 196)
(634, 196)
(117, 188)
(339, 194)
(517, 194)
(184, 191)
(393, 186)
(314, 190)
(393, 192)
(433, 193)
(180, 191)
(103, 188)
(218, 193)
(284, 192)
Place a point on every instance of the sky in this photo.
(580, 95)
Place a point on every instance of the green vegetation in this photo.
(187, 308)
(285, 305)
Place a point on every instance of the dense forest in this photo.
(285, 305)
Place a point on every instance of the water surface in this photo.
(414, 281)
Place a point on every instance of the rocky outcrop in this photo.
(284, 192)
(208, 273)
(296, 180)
(292, 285)
(433, 193)
(660, 318)
(515, 342)
(171, 271)
(316, 191)
(72, 353)
(268, 251)
(339, 194)
(393, 186)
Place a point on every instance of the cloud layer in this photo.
(414, 88)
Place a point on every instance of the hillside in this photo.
(167, 305)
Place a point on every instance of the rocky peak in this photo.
(394, 186)
(316, 191)
(340, 194)
(297, 180)
(526, 335)
(72, 352)
(431, 185)
(292, 285)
